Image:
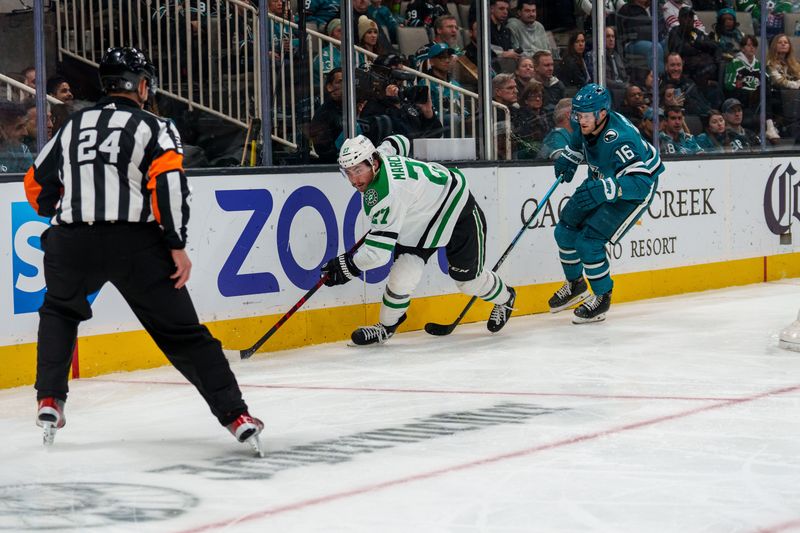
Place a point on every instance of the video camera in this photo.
(371, 82)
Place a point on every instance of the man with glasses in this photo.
(623, 176)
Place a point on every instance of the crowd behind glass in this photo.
(707, 77)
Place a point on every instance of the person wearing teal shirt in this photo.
(622, 180)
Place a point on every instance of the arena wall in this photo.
(257, 241)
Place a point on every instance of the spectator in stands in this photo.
(440, 58)
(321, 12)
(30, 138)
(696, 103)
(572, 70)
(368, 36)
(532, 123)
(58, 87)
(501, 39)
(504, 91)
(670, 10)
(727, 34)
(445, 30)
(412, 119)
(634, 105)
(29, 77)
(782, 67)
(14, 155)
(743, 75)
(741, 137)
(361, 9)
(327, 123)
(616, 75)
(634, 21)
(555, 141)
(670, 95)
(471, 50)
(331, 56)
(384, 18)
(524, 72)
(527, 33)
(673, 138)
(646, 126)
(714, 138)
(554, 89)
(422, 13)
(699, 53)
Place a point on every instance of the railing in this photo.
(459, 116)
(15, 91)
(205, 50)
(207, 54)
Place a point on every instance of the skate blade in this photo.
(572, 303)
(48, 433)
(374, 344)
(793, 346)
(599, 318)
(257, 445)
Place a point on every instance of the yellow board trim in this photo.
(102, 354)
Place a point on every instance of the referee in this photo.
(112, 182)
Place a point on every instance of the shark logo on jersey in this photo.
(371, 197)
(610, 136)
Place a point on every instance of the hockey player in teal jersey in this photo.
(414, 207)
(623, 176)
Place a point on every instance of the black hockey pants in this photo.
(78, 260)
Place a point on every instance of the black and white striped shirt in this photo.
(113, 162)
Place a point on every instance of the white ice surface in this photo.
(678, 414)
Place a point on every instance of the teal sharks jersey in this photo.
(621, 153)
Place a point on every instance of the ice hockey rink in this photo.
(677, 414)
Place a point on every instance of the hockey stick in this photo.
(246, 353)
(446, 329)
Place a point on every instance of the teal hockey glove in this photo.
(567, 163)
(596, 191)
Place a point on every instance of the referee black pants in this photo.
(81, 258)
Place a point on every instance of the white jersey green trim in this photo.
(410, 203)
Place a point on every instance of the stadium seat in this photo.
(409, 40)
(709, 18)
(694, 123)
(745, 21)
(463, 12)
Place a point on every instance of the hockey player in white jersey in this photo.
(414, 208)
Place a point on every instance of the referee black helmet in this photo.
(122, 68)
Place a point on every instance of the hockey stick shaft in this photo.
(449, 328)
(245, 354)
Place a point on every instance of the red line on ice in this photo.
(444, 391)
(495, 459)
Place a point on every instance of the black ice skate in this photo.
(571, 293)
(247, 429)
(501, 312)
(593, 309)
(50, 416)
(377, 334)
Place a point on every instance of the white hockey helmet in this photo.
(356, 150)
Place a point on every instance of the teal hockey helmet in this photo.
(591, 98)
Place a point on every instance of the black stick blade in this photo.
(439, 330)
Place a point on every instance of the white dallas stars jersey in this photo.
(409, 202)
